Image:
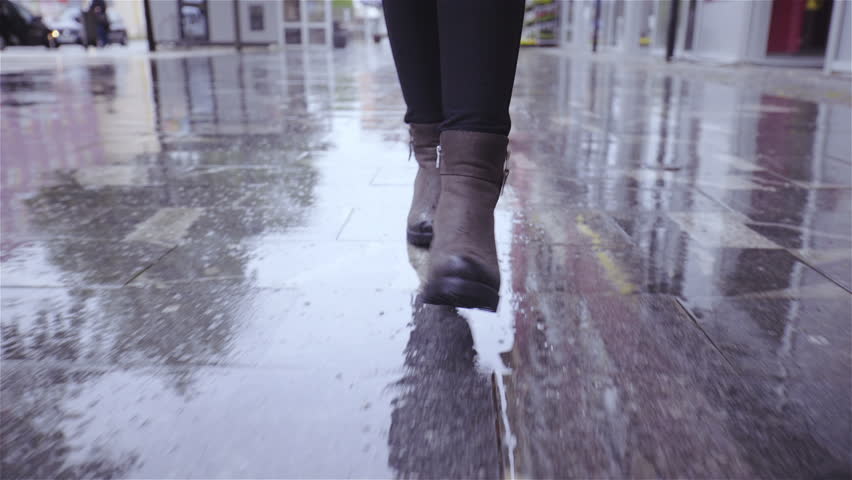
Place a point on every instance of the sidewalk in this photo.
(204, 274)
(810, 84)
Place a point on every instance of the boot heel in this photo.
(461, 293)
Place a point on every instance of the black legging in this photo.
(456, 60)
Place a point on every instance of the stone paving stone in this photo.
(821, 243)
(635, 426)
(107, 327)
(240, 175)
(269, 262)
(230, 224)
(835, 264)
(609, 195)
(171, 416)
(102, 176)
(814, 223)
(629, 333)
(398, 174)
(823, 232)
(569, 226)
(791, 205)
(640, 391)
(627, 269)
(829, 173)
(244, 151)
(659, 425)
(760, 337)
(666, 259)
(62, 196)
(606, 368)
(721, 230)
(406, 379)
(73, 262)
(800, 347)
(22, 223)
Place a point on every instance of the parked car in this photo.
(19, 26)
(68, 28)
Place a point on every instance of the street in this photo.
(205, 274)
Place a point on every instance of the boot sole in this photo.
(418, 239)
(461, 293)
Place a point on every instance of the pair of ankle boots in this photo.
(459, 180)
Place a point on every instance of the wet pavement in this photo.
(204, 274)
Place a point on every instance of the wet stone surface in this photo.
(204, 275)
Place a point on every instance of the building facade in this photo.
(252, 22)
(806, 33)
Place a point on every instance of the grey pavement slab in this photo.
(74, 262)
(249, 369)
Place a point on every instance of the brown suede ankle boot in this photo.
(427, 183)
(463, 270)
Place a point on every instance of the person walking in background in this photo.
(98, 8)
(456, 62)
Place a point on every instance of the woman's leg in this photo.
(480, 40)
(413, 34)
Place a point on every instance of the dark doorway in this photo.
(799, 27)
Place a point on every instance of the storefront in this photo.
(625, 25)
(812, 33)
(805, 33)
(260, 22)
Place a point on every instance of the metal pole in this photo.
(672, 33)
(149, 27)
(596, 26)
(838, 9)
(238, 38)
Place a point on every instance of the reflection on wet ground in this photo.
(204, 274)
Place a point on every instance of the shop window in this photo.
(292, 11)
(256, 18)
(193, 20)
(293, 36)
(316, 36)
(316, 11)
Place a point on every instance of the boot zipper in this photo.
(505, 171)
(438, 161)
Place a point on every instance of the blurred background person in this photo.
(98, 11)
